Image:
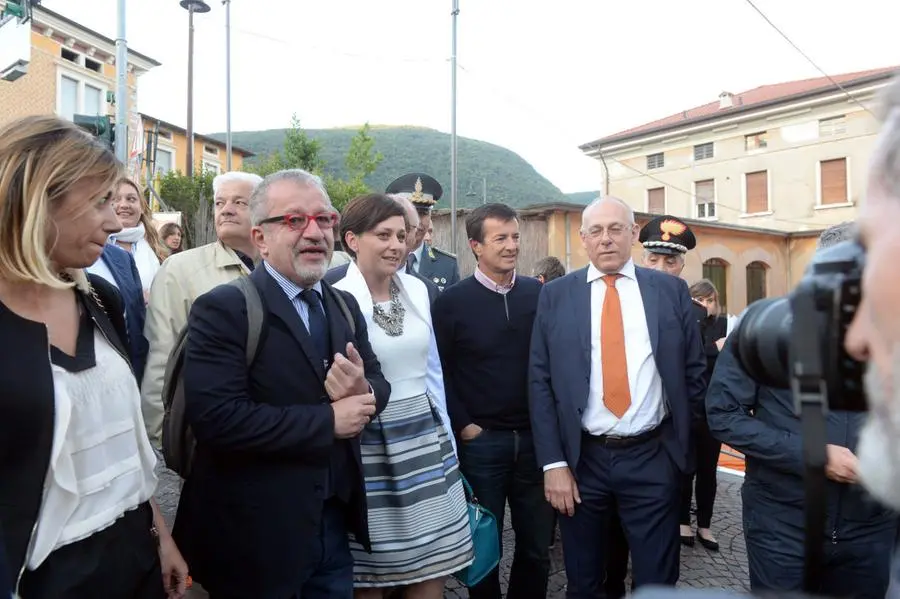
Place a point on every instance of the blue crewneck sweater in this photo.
(484, 339)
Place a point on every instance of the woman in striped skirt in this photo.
(418, 521)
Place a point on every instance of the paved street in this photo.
(700, 568)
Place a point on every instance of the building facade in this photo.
(785, 157)
(70, 70)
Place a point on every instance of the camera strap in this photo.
(815, 457)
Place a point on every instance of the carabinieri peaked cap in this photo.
(422, 190)
(667, 235)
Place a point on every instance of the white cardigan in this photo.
(416, 295)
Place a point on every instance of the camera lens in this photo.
(762, 340)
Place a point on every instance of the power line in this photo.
(808, 59)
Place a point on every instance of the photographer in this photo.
(761, 422)
(874, 335)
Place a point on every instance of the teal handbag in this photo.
(485, 540)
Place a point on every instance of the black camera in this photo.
(797, 341)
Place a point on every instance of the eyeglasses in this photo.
(613, 231)
(299, 222)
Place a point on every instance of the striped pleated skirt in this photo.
(418, 520)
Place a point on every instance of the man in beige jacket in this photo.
(187, 275)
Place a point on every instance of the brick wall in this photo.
(35, 92)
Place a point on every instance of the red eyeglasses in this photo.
(299, 222)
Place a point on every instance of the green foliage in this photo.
(182, 194)
(361, 161)
(510, 179)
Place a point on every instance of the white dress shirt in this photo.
(648, 404)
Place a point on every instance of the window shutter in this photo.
(757, 192)
(656, 200)
(834, 181)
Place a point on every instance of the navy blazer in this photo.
(249, 517)
(559, 372)
(124, 270)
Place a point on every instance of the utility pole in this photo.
(453, 147)
(122, 95)
(484, 190)
(192, 6)
(227, 4)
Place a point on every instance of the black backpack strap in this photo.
(256, 315)
(345, 310)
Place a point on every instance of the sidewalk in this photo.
(726, 569)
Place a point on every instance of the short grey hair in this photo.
(235, 177)
(412, 215)
(604, 199)
(836, 234)
(259, 201)
(885, 164)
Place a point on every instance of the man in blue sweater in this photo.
(483, 329)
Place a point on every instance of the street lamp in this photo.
(192, 6)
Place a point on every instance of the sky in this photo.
(539, 78)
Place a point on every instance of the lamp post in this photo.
(453, 174)
(192, 6)
(227, 4)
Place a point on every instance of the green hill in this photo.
(510, 179)
(582, 197)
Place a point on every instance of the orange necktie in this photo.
(616, 392)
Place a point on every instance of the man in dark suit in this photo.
(337, 273)
(436, 265)
(613, 433)
(276, 484)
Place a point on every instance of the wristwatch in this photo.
(154, 532)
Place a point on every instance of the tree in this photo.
(194, 199)
(361, 161)
(297, 151)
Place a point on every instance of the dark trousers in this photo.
(501, 467)
(119, 562)
(330, 576)
(617, 559)
(706, 451)
(858, 568)
(642, 483)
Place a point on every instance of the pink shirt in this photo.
(487, 282)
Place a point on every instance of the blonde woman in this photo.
(78, 518)
(138, 235)
(418, 522)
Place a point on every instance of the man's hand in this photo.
(842, 466)
(347, 376)
(174, 568)
(470, 432)
(352, 413)
(561, 491)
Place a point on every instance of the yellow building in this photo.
(63, 68)
(790, 156)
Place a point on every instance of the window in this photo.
(211, 167)
(656, 200)
(93, 65)
(68, 97)
(756, 192)
(656, 160)
(716, 271)
(833, 126)
(833, 181)
(67, 54)
(165, 134)
(164, 161)
(756, 141)
(76, 95)
(705, 194)
(756, 281)
(703, 151)
(211, 150)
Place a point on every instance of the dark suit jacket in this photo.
(439, 267)
(249, 518)
(121, 264)
(560, 362)
(339, 272)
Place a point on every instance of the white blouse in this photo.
(101, 464)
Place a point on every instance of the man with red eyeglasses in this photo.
(187, 275)
(276, 483)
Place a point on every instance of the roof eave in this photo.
(735, 110)
(242, 151)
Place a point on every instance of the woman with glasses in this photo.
(418, 521)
